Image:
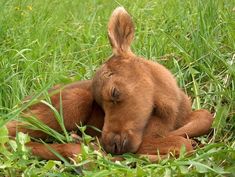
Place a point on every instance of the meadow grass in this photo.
(46, 42)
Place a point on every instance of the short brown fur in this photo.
(135, 102)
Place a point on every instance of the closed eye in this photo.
(115, 95)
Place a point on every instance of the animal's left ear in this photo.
(120, 32)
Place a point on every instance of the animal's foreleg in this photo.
(164, 145)
(200, 122)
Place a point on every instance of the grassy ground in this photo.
(50, 41)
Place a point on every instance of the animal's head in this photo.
(123, 88)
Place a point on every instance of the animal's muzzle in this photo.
(116, 143)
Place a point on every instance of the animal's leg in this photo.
(156, 143)
(199, 123)
(164, 145)
(153, 148)
(45, 152)
(77, 104)
(68, 150)
(16, 126)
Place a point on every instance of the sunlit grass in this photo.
(44, 42)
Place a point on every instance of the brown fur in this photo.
(137, 104)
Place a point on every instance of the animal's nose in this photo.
(116, 143)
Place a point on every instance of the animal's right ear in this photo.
(120, 32)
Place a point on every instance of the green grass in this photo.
(46, 42)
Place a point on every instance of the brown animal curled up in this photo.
(135, 102)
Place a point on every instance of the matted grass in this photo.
(46, 42)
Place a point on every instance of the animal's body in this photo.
(135, 102)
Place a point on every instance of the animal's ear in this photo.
(120, 32)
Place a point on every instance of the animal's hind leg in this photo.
(17, 126)
(68, 150)
(46, 151)
(199, 123)
(77, 102)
